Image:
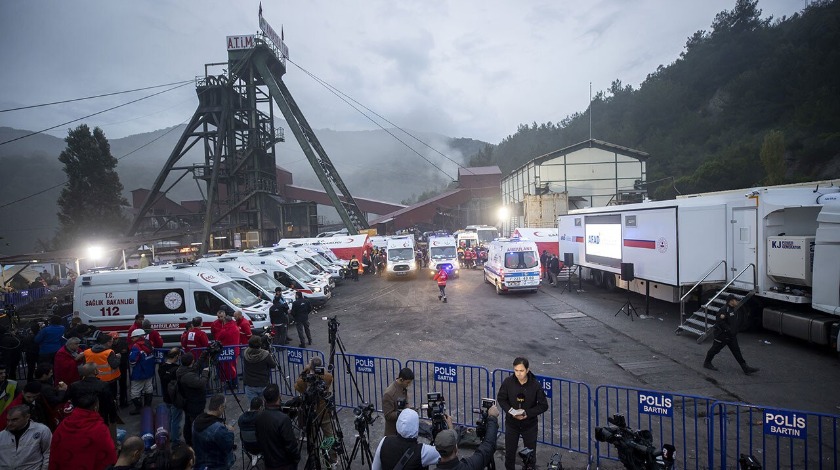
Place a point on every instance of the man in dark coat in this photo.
(726, 335)
(192, 380)
(522, 399)
(300, 311)
(274, 433)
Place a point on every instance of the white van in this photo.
(169, 296)
(467, 239)
(443, 252)
(310, 267)
(400, 253)
(512, 264)
(316, 258)
(288, 273)
(248, 276)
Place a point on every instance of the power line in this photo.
(344, 97)
(67, 180)
(92, 97)
(94, 114)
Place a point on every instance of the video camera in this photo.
(529, 458)
(316, 386)
(481, 424)
(635, 448)
(435, 407)
(363, 416)
(401, 404)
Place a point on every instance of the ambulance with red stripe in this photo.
(169, 296)
(288, 273)
(513, 264)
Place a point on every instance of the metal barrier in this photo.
(672, 418)
(778, 438)
(373, 375)
(25, 296)
(462, 387)
(567, 422)
(290, 363)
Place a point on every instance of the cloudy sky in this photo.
(468, 68)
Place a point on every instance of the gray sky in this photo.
(469, 68)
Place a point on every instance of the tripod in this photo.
(363, 420)
(213, 366)
(628, 308)
(319, 445)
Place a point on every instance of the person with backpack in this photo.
(142, 360)
(167, 372)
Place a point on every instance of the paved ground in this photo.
(569, 335)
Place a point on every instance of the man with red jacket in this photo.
(152, 335)
(217, 325)
(138, 323)
(194, 337)
(244, 326)
(441, 278)
(67, 361)
(229, 336)
(82, 440)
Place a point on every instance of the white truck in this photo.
(169, 296)
(401, 260)
(443, 252)
(513, 264)
(776, 248)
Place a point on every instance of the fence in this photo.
(567, 422)
(672, 418)
(462, 386)
(372, 376)
(24, 297)
(779, 438)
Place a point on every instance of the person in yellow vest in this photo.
(8, 389)
(107, 362)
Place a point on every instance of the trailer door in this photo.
(743, 246)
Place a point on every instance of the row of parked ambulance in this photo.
(171, 295)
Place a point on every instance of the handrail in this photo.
(751, 265)
(704, 278)
(682, 299)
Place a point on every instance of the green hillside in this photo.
(750, 101)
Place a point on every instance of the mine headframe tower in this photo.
(234, 123)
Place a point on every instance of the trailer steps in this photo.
(700, 323)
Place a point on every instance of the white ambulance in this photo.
(513, 264)
(248, 276)
(316, 258)
(168, 296)
(401, 260)
(288, 273)
(443, 252)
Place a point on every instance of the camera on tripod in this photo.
(435, 407)
(363, 416)
(635, 448)
(529, 458)
(481, 423)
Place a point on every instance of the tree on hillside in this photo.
(90, 203)
(773, 157)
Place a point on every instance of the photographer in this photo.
(275, 434)
(404, 448)
(313, 383)
(257, 364)
(522, 399)
(192, 380)
(395, 399)
(446, 444)
(213, 440)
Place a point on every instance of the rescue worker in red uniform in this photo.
(229, 336)
(194, 337)
(441, 278)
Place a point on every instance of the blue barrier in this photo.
(778, 438)
(672, 418)
(462, 387)
(567, 422)
(25, 296)
(290, 363)
(373, 375)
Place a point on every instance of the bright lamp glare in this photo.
(503, 213)
(95, 252)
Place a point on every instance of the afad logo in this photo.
(208, 278)
(246, 269)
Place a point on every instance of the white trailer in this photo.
(757, 242)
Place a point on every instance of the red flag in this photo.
(260, 9)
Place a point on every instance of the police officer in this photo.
(726, 335)
(278, 314)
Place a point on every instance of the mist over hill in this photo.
(373, 164)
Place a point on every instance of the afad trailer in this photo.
(777, 248)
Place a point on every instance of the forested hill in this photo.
(751, 101)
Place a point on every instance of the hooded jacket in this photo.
(528, 396)
(82, 442)
(50, 339)
(191, 384)
(66, 368)
(391, 448)
(213, 443)
(142, 360)
(257, 363)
